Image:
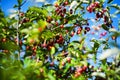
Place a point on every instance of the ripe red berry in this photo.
(21, 14)
(68, 59)
(105, 18)
(4, 39)
(56, 5)
(20, 42)
(80, 70)
(78, 31)
(44, 45)
(72, 34)
(52, 64)
(63, 63)
(62, 26)
(84, 67)
(62, 14)
(97, 4)
(27, 47)
(66, 3)
(56, 23)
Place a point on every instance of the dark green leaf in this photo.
(105, 27)
(110, 1)
(19, 2)
(116, 6)
(15, 6)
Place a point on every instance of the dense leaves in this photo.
(57, 42)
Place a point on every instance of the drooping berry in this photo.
(64, 10)
(78, 31)
(72, 34)
(71, 11)
(62, 26)
(87, 29)
(4, 39)
(66, 3)
(68, 59)
(56, 23)
(52, 64)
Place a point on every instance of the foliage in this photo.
(41, 43)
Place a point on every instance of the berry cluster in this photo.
(93, 6)
(60, 10)
(80, 70)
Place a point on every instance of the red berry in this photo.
(96, 4)
(80, 70)
(52, 64)
(64, 10)
(56, 23)
(92, 5)
(20, 42)
(44, 45)
(4, 40)
(105, 18)
(63, 63)
(62, 14)
(66, 3)
(78, 32)
(97, 15)
(72, 34)
(56, 5)
(62, 26)
(68, 59)
(84, 67)
(21, 14)
(27, 47)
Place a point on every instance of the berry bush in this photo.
(65, 40)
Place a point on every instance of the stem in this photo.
(18, 31)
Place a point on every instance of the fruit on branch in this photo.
(4, 40)
(56, 4)
(25, 20)
(65, 3)
(113, 37)
(78, 31)
(92, 7)
(68, 59)
(52, 64)
(56, 23)
(87, 29)
(71, 11)
(62, 26)
(72, 33)
(22, 14)
(27, 47)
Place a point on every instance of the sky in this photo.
(7, 8)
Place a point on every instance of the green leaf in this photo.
(19, 2)
(52, 51)
(105, 27)
(110, 1)
(116, 6)
(15, 6)
(47, 34)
